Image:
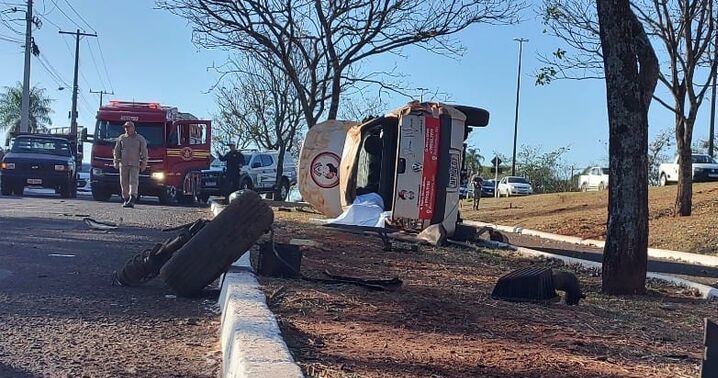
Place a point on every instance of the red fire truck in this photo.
(178, 145)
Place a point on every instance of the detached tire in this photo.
(214, 248)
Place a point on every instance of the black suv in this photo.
(38, 160)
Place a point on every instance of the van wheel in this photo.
(584, 187)
(601, 187)
(214, 248)
(663, 180)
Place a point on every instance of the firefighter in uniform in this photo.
(235, 161)
(130, 157)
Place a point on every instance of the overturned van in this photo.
(411, 157)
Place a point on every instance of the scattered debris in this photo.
(102, 226)
(537, 284)
(434, 235)
(60, 255)
(304, 243)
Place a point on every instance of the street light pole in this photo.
(518, 91)
(711, 136)
(25, 102)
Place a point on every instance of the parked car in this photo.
(593, 178)
(705, 168)
(488, 188)
(514, 186)
(411, 158)
(39, 161)
(259, 174)
(466, 191)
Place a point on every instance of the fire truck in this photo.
(178, 146)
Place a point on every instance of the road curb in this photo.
(691, 258)
(707, 292)
(252, 343)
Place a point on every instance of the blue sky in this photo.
(150, 57)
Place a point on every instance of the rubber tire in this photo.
(475, 117)
(5, 189)
(584, 188)
(217, 245)
(203, 198)
(166, 198)
(101, 195)
(601, 187)
(663, 181)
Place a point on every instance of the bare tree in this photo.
(657, 154)
(328, 39)
(631, 70)
(260, 108)
(685, 30)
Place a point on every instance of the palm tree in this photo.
(11, 104)
(473, 160)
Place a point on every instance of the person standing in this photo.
(235, 161)
(476, 181)
(130, 157)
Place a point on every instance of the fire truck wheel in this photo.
(222, 241)
(168, 196)
(100, 195)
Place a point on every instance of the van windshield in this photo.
(703, 159)
(108, 131)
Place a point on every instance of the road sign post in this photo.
(496, 162)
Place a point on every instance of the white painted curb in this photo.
(691, 258)
(707, 292)
(252, 344)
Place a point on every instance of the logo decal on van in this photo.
(325, 170)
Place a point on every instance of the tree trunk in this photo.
(280, 170)
(684, 195)
(631, 70)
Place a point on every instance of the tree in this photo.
(685, 30)
(473, 160)
(260, 108)
(330, 39)
(656, 155)
(11, 104)
(546, 170)
(631, 71)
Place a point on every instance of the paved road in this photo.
(61, 317)
(704, 275)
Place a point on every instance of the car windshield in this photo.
(490, 183)
(108, 131)
(703, 159)
(517, 180)
(41, 146)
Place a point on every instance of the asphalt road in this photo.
(60, 316)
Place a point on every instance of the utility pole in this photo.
(516, 116)
(102, 92)
(711, 136)
(25, 105)
(75, 89)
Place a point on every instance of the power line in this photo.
(65, 14)
(97, 67)
(102, 57)
(50, 21)
(81, 18)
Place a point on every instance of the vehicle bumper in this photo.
(520, 192)
(705, 176)
(49, 179)
(487, 193)
(110, 182)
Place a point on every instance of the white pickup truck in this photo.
(705, 168)
(593, 178)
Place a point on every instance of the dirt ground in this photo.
(585, 215)
(443, 323)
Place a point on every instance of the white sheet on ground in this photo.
(367, 210)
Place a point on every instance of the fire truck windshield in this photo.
(108, 131)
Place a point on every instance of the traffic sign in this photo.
(496, 161)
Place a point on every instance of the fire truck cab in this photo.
(178, 145)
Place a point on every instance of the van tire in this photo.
(214, 248)
(475, 117)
